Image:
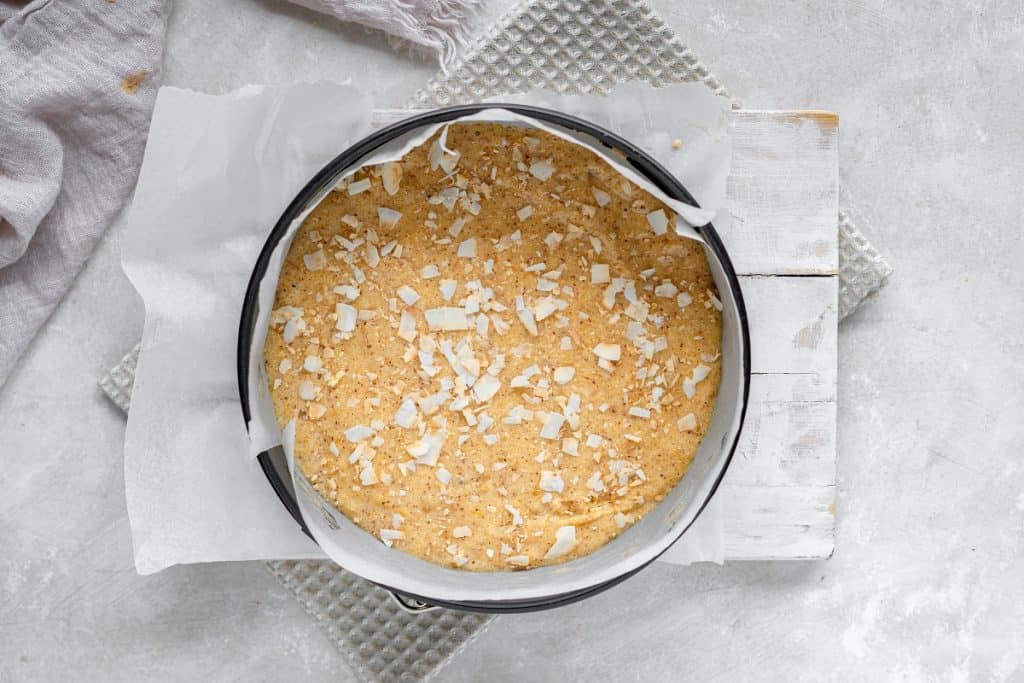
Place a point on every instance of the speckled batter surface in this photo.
(496, 354)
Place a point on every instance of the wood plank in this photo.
(778, 523)
(783, 192)
(793, 324)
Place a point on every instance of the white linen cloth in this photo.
(77, 84)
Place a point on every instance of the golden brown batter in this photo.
(496, 355)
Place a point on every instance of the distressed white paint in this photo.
(783, 193)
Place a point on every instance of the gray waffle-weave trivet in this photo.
(588, 46)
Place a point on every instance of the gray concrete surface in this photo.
(927, 582)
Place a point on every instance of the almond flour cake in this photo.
(497, 352)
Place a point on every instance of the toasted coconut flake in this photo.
(570, 446)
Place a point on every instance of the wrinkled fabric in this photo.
(77, 84)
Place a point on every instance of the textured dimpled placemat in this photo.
(570, 47)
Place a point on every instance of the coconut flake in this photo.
(684, 300)
(312, 364)
(407, 326)
(544, 308)
(315, 261)
(666, 290)
(358, 186)
(448, 288)
(637, 411)
(658, 221)
(350, 292)
(467, 249)
(347, 316)
(552, 425)
(687, 423)
(570, 446)
(526, 317)
(524, 213)
(447, 318)
(485, 388)
(367, 475)
(715, 301)
(443, 476)
(551, 482)
(358, 433)
(564, 374)
(462, 532)
(388, 217)
(599, 273)
(565, 540)
(408, 295)
(430, 271)
(542, 170)
(518, 560)
(391, 176)
(405, 416)
(307, 390)
(389, 536)
(609, 352)
(601, 197)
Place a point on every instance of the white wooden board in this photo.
(779, 493)
(778, 496)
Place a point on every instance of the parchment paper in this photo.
(218, 172)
